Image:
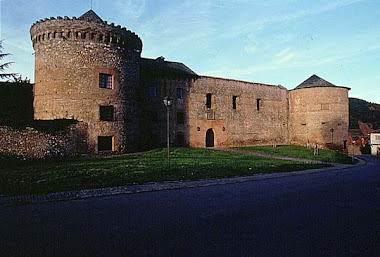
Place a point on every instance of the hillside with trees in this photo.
(363, 111)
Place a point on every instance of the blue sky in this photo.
(272, 41)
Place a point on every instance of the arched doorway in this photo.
(210, 138)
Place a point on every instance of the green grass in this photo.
(41, 176)
(301, 152)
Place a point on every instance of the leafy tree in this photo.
(4, 66)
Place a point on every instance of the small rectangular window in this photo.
(105, 144)
(234, 102)
(180, 139)
(258, 104)
(154, 116)
(105, 80)
(180, 118)
(152, 91)
(324, 106)
(179, 93)
(208, 101)
(106, 113)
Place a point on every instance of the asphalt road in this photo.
(335, 213)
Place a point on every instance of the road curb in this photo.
(157, 186)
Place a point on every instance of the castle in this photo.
(92, 71)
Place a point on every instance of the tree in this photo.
(4, 66)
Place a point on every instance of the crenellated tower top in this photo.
(89, 27)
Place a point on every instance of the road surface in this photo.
(333, 213)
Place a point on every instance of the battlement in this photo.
(86, 27)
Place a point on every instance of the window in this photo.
(83, 35)
(235, 102)
(105, 144)
(153, 91)
(208, 100)
(377, 137)
(105, 80)
(180, 139)
(324, 106)
(258, 104)
(106, 113)
(154, 116)
(179, 93)
(180, 118)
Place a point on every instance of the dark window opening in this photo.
(100, 37)
(106, 113)
(258, 104)
(107, 38)
(83, 35)
(179, 93)
(76, 34)
(152, 91)
(180, 118)
(234, 100)
(208, 100)
(180, 139)
(154, 116)
(105, 144)
(69, 34)
(92, 36)
(105, 80)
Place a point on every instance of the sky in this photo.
(280, 42)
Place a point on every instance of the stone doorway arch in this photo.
(210, 138)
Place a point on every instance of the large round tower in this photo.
(319, 113)
(86, 69)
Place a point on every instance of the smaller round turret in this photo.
(319, 113)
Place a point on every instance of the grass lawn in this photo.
(41, 176)
(301, 152)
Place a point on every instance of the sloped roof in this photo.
(91, 16)
(315, 81)
(162, 65)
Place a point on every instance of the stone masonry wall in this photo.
(31, 143)
(245, 125)
(315, 111)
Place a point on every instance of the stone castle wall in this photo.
(315, 111)
(31, 143)
(260, 117)
(69, 56)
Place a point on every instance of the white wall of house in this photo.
(375, 143)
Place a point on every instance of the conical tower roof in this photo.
(91, 16)
(315, 81)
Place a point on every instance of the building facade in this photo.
(92, 71)
(375, 142)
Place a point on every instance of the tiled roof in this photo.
(315, 81)
(90, 16)
(162, 65)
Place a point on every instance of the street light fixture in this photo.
(167, 103)
(332, 136)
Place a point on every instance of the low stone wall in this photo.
(31, 143)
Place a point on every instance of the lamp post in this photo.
(167, 103)
(332, 136)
